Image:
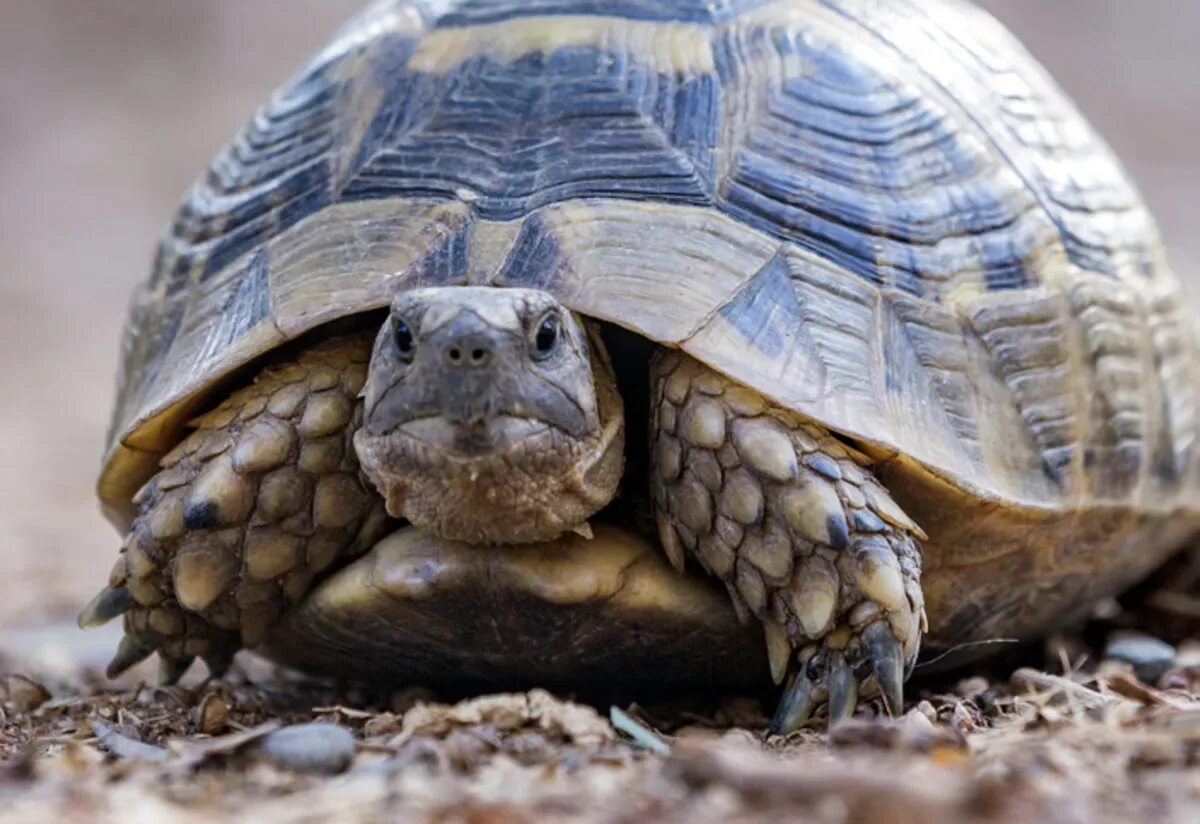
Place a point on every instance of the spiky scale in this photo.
(717, 556)
(264, 445)
(201, 574)
(325, 414)
(742, 497)
(322, 455)
(218, 497)
(270, 553)
(670, 542)
(812, 508)
(764, 446)
(694, 505)
(668, 458)
(339, 501)
(703, 423)
(769, 551)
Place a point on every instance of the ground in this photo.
(110, 109)
(1083, 737)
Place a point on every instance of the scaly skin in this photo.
(804, 538)
(264, 495)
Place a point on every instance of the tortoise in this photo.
(671, 342)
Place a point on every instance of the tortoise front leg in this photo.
(264, 495)
(805, 539)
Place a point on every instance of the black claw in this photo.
(887, 659)
(795, 707)
(129, 653)
(170, 670)
(217, 663)
(843, 689)
(109, 603)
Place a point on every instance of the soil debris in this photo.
(1046, 736)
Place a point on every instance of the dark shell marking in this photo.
(879, 213)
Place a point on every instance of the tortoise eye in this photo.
(405, 344)
(545, 339)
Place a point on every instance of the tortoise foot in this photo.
(805, 539)
(261, 499)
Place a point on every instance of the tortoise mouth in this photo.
(474, 439)
(576, 613)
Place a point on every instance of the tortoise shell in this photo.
(880, 213)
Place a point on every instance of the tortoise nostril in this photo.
(469, 354)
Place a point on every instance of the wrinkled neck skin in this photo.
(491, 416)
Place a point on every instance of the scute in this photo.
(880, 213)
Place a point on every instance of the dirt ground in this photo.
(109, 110)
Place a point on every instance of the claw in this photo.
(887, 659)
(129, 654)
(217, 663)
(843, 689)
(795, 707)
(779, 650)
(170, 670)
(109, 603)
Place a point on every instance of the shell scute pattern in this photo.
(835, 202)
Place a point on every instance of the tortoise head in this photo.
(491, 415)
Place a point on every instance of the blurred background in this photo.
(109, 108)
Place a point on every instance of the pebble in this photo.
(25, 694)
(310, 748)
(1149, 657)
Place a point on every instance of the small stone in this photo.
(1150, 658)
(212, 716)
(25, 694)
(310, 748)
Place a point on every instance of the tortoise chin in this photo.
(504, 481)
